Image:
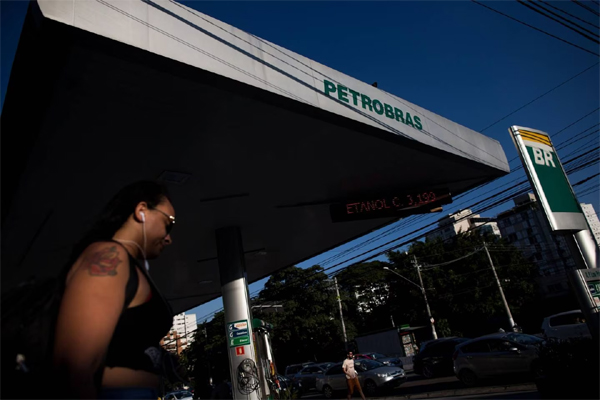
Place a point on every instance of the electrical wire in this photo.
(539, 5)
(554, 19)
(580, 4)
(537, 29)
(430, 266)
(539, 97)
(571, 15)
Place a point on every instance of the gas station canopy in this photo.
(245, 133)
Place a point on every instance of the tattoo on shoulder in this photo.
(104, 262)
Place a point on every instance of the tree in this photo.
(308, 327)
(464, 292)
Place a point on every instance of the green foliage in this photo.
(463, 296)
(308, 327)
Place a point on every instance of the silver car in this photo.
(496, 355)
(372, 376)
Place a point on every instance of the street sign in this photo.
(237, 333)
(548, 179)
(394, 204)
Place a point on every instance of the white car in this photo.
(566, 325)
(179, 395)
(372, 375)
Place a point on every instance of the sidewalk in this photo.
(522, 387)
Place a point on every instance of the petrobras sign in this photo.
(548, 179)
(177, 32)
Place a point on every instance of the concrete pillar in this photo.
(238, 316)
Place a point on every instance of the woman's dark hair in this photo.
(118, 209)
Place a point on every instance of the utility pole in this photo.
(431, 321)
(337, 292)
(511, 321)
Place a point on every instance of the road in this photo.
(418, 387)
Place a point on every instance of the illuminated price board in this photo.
(400, 204)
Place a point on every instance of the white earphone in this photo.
(143, 216)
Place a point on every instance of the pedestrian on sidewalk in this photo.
(351, 376)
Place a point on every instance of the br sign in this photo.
(548, 179)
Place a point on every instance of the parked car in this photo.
(495, 355)
(325, 365)
(436, 358)
(289, 386)
(293, 369)
(372, 375)
(179, 395)
(307, 377)
(566, 325)
(393, 361)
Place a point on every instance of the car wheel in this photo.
(467, 377)
(370, 388)
(428, 372)
(327, 392)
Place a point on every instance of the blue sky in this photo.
(455, 58)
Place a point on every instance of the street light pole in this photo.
(433, 332)
(511, 321)
(337, 292)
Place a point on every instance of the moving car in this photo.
(393, 361)
(566, 325)
(372, 375)
(436, 358)
(495, 355)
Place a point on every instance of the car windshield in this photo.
(377, 355)
(367, 365)
(181, 395)
(522, 338)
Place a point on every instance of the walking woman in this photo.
(112, 316)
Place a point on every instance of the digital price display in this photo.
(400, 204)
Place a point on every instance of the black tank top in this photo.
(136, 340)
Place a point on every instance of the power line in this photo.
(428, 266)
(537, 29)
(570, 125)
(539, 5)
(580, 4)
(539, 97)
(554, 19)
(571, 15)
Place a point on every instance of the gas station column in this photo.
(238, 317)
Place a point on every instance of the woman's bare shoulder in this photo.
(104, 258)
